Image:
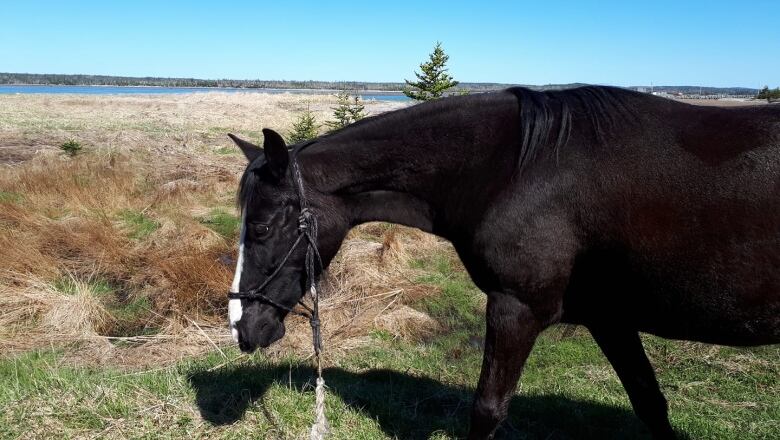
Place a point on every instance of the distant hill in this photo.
(105, 80)
(697, 90)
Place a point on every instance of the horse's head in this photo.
(269, 229)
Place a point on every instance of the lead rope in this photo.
(307, 224)
(320, 428)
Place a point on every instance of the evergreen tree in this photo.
(434, 79)
(304, 128)
(346, 111)
(357, 109)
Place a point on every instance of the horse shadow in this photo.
(411, 407)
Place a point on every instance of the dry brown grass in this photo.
(724, 102)
(106, 249)
(157, 124)
(366, 288)
(64, 227)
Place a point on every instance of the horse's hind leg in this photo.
(624, 351)
(512, 328)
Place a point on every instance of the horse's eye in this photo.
(261, 229)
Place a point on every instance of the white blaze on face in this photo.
(234, 305)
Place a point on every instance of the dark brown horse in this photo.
(597, 206)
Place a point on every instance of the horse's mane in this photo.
(545, 119)
(546, 116)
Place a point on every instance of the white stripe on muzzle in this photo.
(234, 305)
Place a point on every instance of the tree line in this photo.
(769, 94)
(124, 81)
(127, 81)
(462, 87)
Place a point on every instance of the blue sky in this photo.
(711, 43)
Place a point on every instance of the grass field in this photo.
(112, 308)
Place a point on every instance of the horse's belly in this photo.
(713, 317)
(723, 298)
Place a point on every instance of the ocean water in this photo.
(116, 90)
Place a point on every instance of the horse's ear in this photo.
(276, 153)
(251, 151)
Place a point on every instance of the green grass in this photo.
(396, 388)
(10, 197)
(460, 305)
(133, 316)
(131, 309)
(139, 225)
(223, 223)
(226, 151)
(98, 286)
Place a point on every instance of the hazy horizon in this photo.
(367, 82)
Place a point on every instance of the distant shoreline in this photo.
(136, 90)
(358, 91)
(35, 79)
(275, 89)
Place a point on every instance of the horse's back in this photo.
(682, 221)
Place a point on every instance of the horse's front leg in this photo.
(512, 328)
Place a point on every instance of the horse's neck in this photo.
(418, 167)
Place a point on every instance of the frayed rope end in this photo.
(320, 428)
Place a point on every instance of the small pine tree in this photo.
(71, 147)
(357, 111)
(347, 111)
(340, 112)
(434, 79)
(304, 128)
